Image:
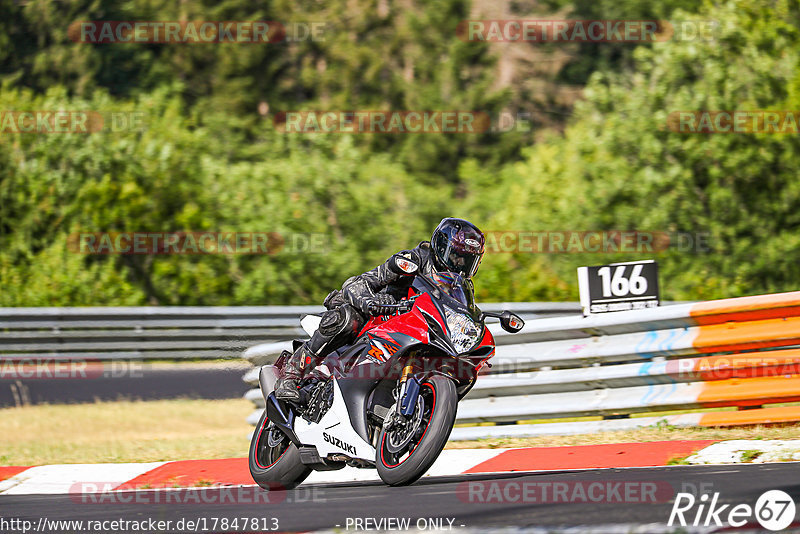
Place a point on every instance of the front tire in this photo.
(274, 460)
(436, 414)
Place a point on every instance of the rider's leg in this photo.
(286, 387)
(337, 327)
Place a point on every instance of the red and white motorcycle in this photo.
(388, 401)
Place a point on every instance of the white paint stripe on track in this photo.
(52, 479)
(11, 482)
(733, 452)
(455, 462)
(448, 463)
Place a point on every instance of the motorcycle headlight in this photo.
(464, 333)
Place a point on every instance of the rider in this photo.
(456, 245)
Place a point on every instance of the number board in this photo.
(618, 286)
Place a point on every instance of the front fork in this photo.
(407, 396)
(409, 391)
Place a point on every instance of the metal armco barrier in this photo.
(709, 355)
(135, 333)
(167, 332)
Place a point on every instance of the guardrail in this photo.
(136, 333)
(732, 353)
(166, 332)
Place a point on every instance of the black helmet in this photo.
(457, 246)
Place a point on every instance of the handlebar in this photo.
(402, 306)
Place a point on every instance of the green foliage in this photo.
(750, 455)
(172, 178)
(619, 167)
(209, 160)
(397, 57)
(592, 57)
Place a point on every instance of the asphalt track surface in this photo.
(133, 381)
(322, 507)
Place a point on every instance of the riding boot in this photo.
(286, 387)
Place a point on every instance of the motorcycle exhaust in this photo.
(267, 378)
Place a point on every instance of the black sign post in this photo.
(619, 286)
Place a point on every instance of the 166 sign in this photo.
(619, 286)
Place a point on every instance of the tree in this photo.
(619, 166)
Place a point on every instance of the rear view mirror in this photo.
(511, 322)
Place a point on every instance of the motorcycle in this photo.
(387, 401)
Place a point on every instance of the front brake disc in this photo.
(274, 436)
(402, 433)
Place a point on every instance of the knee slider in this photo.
(333, 322)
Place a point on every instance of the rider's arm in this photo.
(361, 290)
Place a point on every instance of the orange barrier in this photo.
(782, 414)
(740, 352)
(783, 362)
(750, 391)
(755, 308)
(748, 335)
(755, 378)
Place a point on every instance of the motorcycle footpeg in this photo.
(310, 457)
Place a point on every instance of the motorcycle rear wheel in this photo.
(273, 459)
(437, 415)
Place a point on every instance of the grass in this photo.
(146, 431)
(652, 433)
(126, 431)
(678, 460)
(749, 456)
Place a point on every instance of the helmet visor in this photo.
(461, 261)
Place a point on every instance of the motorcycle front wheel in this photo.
(407, 451)
(274, 460)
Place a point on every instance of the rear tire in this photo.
(274, 462)
(439, 402)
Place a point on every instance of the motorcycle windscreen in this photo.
(457, 288)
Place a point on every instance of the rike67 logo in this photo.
(774, 510)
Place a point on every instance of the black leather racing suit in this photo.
(348, 309)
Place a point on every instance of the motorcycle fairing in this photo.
(411, 323)
(335, 434)
(282, 416)
(487, 340)
(424, 324)
(343, 429)
(310, 323)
